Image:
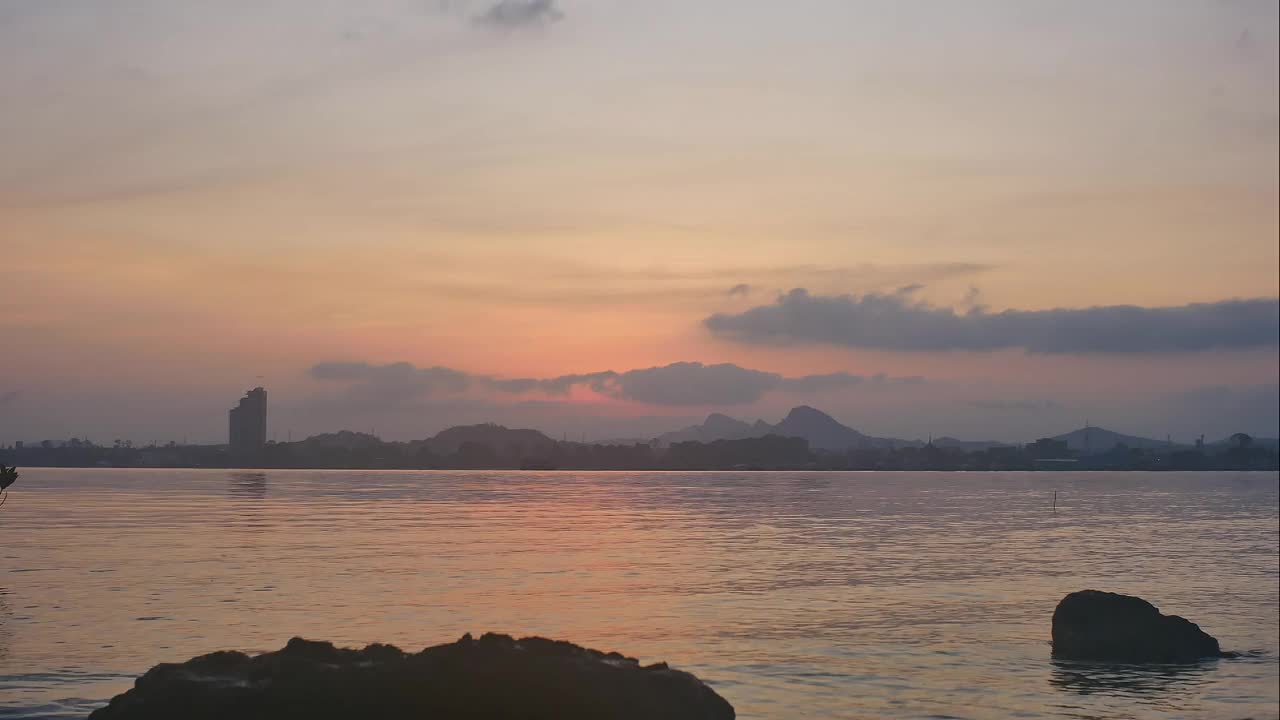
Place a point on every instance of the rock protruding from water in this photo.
(495, 676)
(1095, 625)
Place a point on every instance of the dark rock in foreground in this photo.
(493, 677)
(1095, 625)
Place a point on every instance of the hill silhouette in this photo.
(717, 426)
(519, 441)
(1258, 442)
(1092, 440)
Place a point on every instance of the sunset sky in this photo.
(611, 217)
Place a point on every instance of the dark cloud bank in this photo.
(682, 383)
(896, 321)
(516, 14)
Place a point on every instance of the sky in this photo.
(608, 218)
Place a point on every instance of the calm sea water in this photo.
(819, 595)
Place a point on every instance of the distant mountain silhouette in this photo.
(1092, 440)
(725, 425)
(497, 437)
(821, 430)
(824, 432)
(717, 426)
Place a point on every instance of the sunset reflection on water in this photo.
(793, 594)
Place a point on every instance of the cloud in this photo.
(562, 385)
(514, 385)
(677, 384)
(515, 14)
(9, 397)
(897, 322)
(830, 381)
(972, 298)
(740, 289)
(393, 384)
(692, 383)
(1017, 405)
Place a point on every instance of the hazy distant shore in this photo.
(806, 439)
(715, 456)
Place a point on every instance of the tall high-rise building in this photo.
(249, 421)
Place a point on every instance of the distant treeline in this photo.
(493, 447)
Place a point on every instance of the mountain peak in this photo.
(820, 429)
(717, 426)
(719, 422)
(809, 414)
(1094, 439)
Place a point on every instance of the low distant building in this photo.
(248, 421)
(1049, 449)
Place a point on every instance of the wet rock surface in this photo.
(495, 676)
(1095, 625)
